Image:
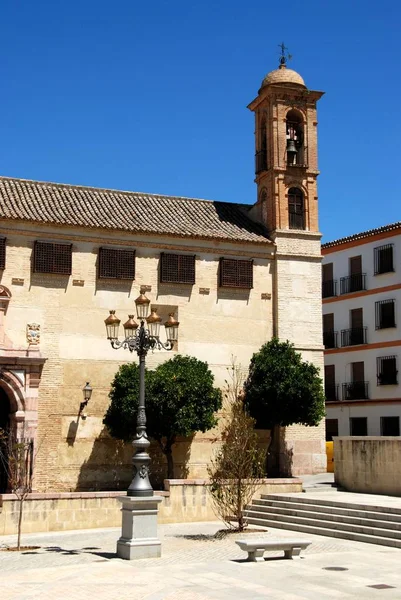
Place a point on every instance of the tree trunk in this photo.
(240, 512)
(168, 451)
(21, 508)
(271, 455)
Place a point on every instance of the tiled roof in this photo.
(135, 212)
(362, 235)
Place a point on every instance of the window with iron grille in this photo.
(115, 263)
(385, 314)
(50, 257)
(387, 370)
(383, 256)
(2, 253)
(177, 268)
(296, 209)
(390, 425)
(236, 273)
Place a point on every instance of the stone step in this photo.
(300, 498)
(337, 533)
(317, 520)
(331, 513)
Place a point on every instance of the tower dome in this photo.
(283, 75)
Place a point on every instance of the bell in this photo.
(291, 147)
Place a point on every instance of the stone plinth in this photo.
(139, 528)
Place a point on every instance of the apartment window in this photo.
(331, 429)
(383, 258)
(329, 286)
(358, 425)
(387, 370)
(330, 387)
(116, 264)
(50, 257)
(2, 253)
(177, 268)
(385, 314)
(236, 273)
(329, 335)
(390, 425)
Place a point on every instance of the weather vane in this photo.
(284, 56)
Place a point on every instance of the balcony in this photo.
(353, 283)
(331, 392)
(260, 161)
(330, 339)
(329, 288)
(354, 336)
(356, 390)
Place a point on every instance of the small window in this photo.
(177, 268)
(390, 425)
(358, 425)
(385, 314)
(2, 253)
(236, 273)
(296, 218)
(387, 370)
(50, 257)
(331, 429)
(384, 259)
(115, 263)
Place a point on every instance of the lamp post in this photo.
(141, 338)
(87, 393)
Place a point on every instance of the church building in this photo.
(233, 275)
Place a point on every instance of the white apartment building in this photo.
(361, 291)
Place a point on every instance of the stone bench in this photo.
(257, 546)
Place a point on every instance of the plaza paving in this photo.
(194, 566)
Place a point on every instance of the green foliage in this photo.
(180, 400)
(282, 389)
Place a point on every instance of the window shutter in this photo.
(115, 263)
(177, 268)
(383, 259)
(52, 258)
(2, 253)
(236, 273)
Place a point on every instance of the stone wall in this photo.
(183, 501)
(370, 465)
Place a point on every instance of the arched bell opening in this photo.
(295, 139)
(296, 209)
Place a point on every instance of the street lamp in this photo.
(141, 338)
(87, 393)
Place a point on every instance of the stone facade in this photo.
(45, 369)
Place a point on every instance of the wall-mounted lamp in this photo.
(87, 392)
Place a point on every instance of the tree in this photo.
(282, 389)
(17, 458)
(236, 471)
(180, 400)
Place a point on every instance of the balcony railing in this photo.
(331, 392)
(353, 283)
(260, 161)
(354, 336)
(329, 288)
(356, 390)
(330, 339)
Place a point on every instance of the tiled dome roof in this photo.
(283, 75)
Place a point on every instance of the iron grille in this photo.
(50, 257)
(356, 390)
(177, 268)
(353, 283)
(236, 273)
(385, 314)
(387, 370)
(115, 263)
(2, 253)
(354, 336)
(383, 258)
(331, 391)
(329, 288)
(330, 339)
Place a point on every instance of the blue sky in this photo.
(153, 98)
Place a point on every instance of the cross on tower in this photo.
(284, 56)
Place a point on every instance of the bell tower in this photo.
(287, 204)
(286, 151)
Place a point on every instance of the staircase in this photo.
(359, 522)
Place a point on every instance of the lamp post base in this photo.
(139, 528)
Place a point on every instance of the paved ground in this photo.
(195, 566)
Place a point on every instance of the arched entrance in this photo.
(4, 426)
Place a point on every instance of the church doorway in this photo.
(4, 426)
